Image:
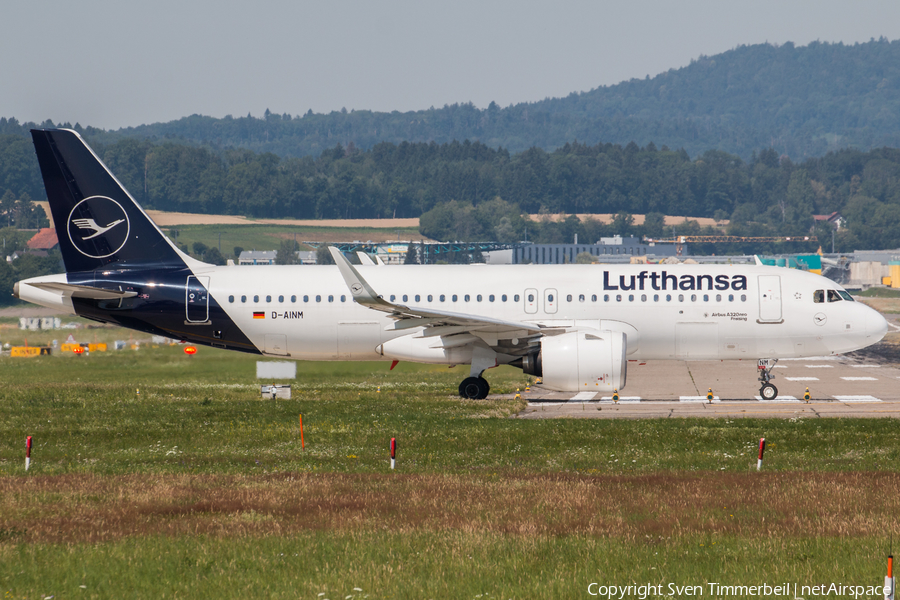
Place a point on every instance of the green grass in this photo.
(398, 565)
(879, 292)
(107, 409)
(159, 474)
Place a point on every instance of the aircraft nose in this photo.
(876, 326)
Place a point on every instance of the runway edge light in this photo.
(762, 448)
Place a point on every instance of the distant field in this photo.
(159, 474)
(268, 237)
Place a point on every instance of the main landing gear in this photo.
(474, 388)
(767, 390)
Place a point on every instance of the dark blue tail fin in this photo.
(97, 221)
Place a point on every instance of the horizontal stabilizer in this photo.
(82, 291)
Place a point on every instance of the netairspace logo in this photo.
(794, 591)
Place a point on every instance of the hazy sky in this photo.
(116, 63)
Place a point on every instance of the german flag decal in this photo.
(259, 315)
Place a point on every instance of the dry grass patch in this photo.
(89, 508)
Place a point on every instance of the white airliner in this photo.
(575, 325)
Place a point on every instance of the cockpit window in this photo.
(819, 296)
(846, 296)
(833, 296)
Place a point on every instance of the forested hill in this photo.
(801, 101)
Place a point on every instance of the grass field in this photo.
(157, 474)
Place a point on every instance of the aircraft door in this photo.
(551, 299)
(770, 299)
(531, 301)
(196, 299)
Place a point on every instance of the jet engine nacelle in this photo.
(584, 361)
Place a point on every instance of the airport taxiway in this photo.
(855, 385)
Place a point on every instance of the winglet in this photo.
(360, 289)
(759, 263)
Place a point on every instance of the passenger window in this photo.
(318, 298)
(405, 298)
(643, 297)
(693, 297)
(454, 297)
(256, 298)
(618, 297)
(593, 297)
(268, 298)
(478, 298)
(681, 297)
(656, 297)
(306, 298)
(568, 297)
(430, 297)
(503, 298)
(549, 297)
(631, 297)
(343, 298)
(491, 298)
(418, 298)
(330, 298)
(516, 298)
(442, 297)
(294, 299)
(731, 297)
(718, 297)
(243, 298)
(743, 297)
(231, 298)
(606, 297)
(581, 297)
(819, 296)
(393, 297)
(706, 297)
(281, 298)
(833, 296)
(531, 297)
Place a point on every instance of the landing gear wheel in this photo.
(474, 388)
(768, 392)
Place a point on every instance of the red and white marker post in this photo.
(27, 452)
(762, 448)
(393, 452)
(889, 580)
(302, 443)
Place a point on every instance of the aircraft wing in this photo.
(437, 322)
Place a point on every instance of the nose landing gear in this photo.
(767, 390)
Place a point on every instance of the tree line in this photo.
(767, 195)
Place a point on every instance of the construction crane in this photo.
(680, 240)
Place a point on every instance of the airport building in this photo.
(610, 248)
